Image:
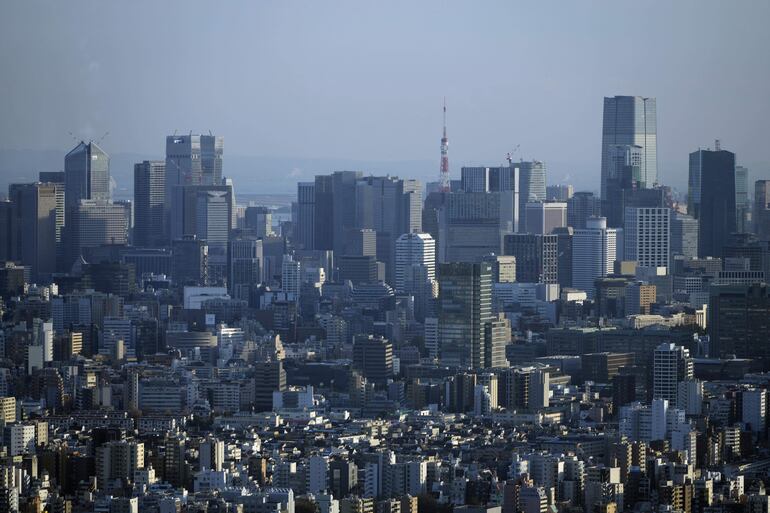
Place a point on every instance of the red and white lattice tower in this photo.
(444, 185)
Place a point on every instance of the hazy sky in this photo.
(365, 80)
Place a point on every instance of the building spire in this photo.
(444, 184)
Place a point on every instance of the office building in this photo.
(191, 160)
(503, 268)
(149, 198)
(684, 235)
(532, 187)
(629, 137)
(87, 175)
(304, 221)
(711, 197)
(761, 214)
(470, 227)
(244, 266)
(625, 178)
(35, 219)
(603, 367)
(497, 335)
(594, 252)
(544, 217)
(536, 257)
(464, 308)
(414, 249)
(564, 255)
(259, 220)
(373, 357)
(739, 320)
(357, 269)
(558, 192)
(190, 261)
(647, 236)
(742, 199)
(582, 206)
(96, 223)
(194, 160)
(671, 365)
(474, 179)
(334, 209)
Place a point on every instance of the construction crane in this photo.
(509, 155)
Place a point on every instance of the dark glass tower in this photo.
(711, 198)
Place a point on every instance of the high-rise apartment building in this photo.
(647, 236)
(464, 308)
(629, 121)
(671, 365)
(711, 198)
(149, 198)
(594, 252)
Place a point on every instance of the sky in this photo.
(298, 86)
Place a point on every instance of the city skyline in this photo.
(289, 122)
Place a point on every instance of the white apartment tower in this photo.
(671, 365)
(414, 249)
(594, 251)
(647, 236)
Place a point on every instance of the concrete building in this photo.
(594, 252)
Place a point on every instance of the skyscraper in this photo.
(97, 223)
(149, 196)
(580, 207)
(536, 256)
(191, 160)
(711, 198)
(87, 175)
(470, 226)
(414, 249)
(594, 251)
(532, 187)
(464, 309)
(630, 121)
(684, 235)
(245, 266)
(303, 229)
(671, 365)
(741, 198)
(260, 220)
(761, 215)
(34, 224)
(647, 236)
(739, 320)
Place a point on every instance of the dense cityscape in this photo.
(491, 341)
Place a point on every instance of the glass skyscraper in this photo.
(86, 175)
(629, 121)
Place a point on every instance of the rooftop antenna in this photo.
(717, 145)
(99, 142)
